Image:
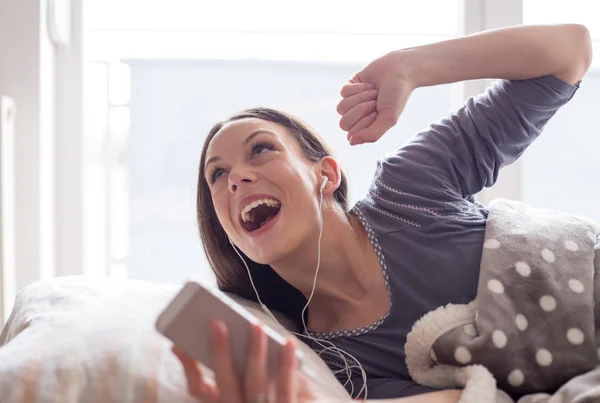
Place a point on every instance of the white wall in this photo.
(561, 169)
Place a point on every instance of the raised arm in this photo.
(521, 52)
(564, 51)
(463, 152)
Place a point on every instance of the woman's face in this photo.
(264, 189)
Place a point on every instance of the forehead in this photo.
(232, 135)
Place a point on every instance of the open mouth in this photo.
(258, 213)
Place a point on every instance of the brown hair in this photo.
(230, 272)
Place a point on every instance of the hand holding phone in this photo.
(189, 316)
(288, 386)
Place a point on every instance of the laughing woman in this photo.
(270, 186)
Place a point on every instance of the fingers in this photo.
(382, 122)
(287, 379)
(354, 115)
(365, 122)
(225, 376)
(256, 368)
(351, 101)
(354, 88)
(197, 384)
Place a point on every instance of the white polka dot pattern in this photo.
(495, 286)
(575, 336)
(470, 330)
(499, 339)
(572, 246)
(462, 355)
(521, 322)
(548, 303)
(543, 357)
(377, 248)
(534, 300)
(491, 244)
(516, 378)
(548, 255)
(576, 286)
(523, 269)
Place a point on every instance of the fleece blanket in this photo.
(530, 334)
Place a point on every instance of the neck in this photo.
(343, 280)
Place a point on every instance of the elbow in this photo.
(579, 55)
(583, 44)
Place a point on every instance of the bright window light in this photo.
(311, 30)
(584, 12)
(406, 17)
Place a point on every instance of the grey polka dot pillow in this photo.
(532, 324)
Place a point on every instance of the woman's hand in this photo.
(374, 98)
(289, 387)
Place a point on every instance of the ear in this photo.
(331, 170)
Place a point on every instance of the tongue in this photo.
(269, 218)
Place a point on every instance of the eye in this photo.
(215, 174)
(262, 147)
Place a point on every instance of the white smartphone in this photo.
(187, 319)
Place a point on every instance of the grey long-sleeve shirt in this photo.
(425, 224)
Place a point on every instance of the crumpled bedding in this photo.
(90, 340)
(529, 336)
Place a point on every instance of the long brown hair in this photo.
(230, 272)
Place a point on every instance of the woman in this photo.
(413, 243)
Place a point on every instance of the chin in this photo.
(268, 255)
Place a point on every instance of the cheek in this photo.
(221, 204)
(295, 173)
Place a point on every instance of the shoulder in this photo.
(389, 204)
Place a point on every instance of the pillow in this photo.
(77, 339)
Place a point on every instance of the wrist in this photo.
(410, 67)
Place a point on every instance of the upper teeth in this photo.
(246, 210)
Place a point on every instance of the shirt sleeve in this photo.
(462, 153)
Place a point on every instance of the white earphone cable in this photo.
(347, 367)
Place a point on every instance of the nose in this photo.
(240, 179)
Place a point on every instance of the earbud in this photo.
(323, 183)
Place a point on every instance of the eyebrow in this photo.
(246, 141)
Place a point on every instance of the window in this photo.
(158, 80)
(560, 170)
(560, 12)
